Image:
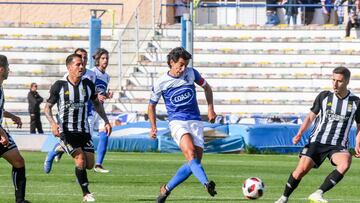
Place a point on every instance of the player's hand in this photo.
(110, 94)
(55, 130)
(17, 121)
(101, 98)
(4, 139)
(152, 133)
(357, 151)
(296, 139)
(212, 116)
(108, 128)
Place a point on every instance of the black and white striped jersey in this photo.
(2, 102)
(335, 117)
(72, 103)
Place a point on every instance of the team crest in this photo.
(329, 104)
(349, 107)
(67, 93)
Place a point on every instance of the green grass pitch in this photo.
(136, 177)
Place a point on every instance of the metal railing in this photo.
(245, 13)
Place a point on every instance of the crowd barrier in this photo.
(231, 138)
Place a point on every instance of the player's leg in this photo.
(55, 153)
(101, 151)
(342, 161)
(102, 145)
(14, 157)
(80, 171)
(304, 166)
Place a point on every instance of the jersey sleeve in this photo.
(317, 103)
(155, 94)
(199, 79)
(357, 113)
(54, 93)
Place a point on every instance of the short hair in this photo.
(71, 57)
(176, 54)
(98, 53)
(80, 50)
(32, 84)
(343, 71)
(3, 61)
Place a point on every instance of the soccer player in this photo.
(8, 148)
(177, 87)
(71, 94)
(57, 151)
(101, 59)
(334, 113)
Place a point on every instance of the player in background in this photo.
(8, 148)
(71, 94)
(57, 150)
(101, 62)
(177, 87)
(334, 113)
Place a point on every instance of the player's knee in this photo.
(300, 172)
(343, 167)
(18, 162)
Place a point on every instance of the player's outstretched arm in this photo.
(357, 141)
(305, 125)
(210, 101)
(50, 118)
(99, 108)
(152, 119)
(16, 119)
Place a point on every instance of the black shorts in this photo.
(10, 146)
(318, 152)
(71, 141)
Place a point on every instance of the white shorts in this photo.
(194, 127)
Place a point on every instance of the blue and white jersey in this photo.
(179, 94)
(101, 82)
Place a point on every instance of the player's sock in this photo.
(331, 180)
(19, 180)
(198, 171)
(182, 174)
(101, 148)
(291, 185)
(81, 176)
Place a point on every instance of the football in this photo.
(253, 188)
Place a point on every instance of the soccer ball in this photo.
(253, 188)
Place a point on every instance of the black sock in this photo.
(291, 185)
(19, 180)
(81, 176)
(331, 180)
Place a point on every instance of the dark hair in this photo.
(71, 57)
(3, 61)
(343, 71)
(99, 52)
(33, 84)
(80, 50)
(176, 54)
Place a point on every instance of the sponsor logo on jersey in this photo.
(67, 92)
(182, 96)
(349, 107)
(329, 104)
(332, 116)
